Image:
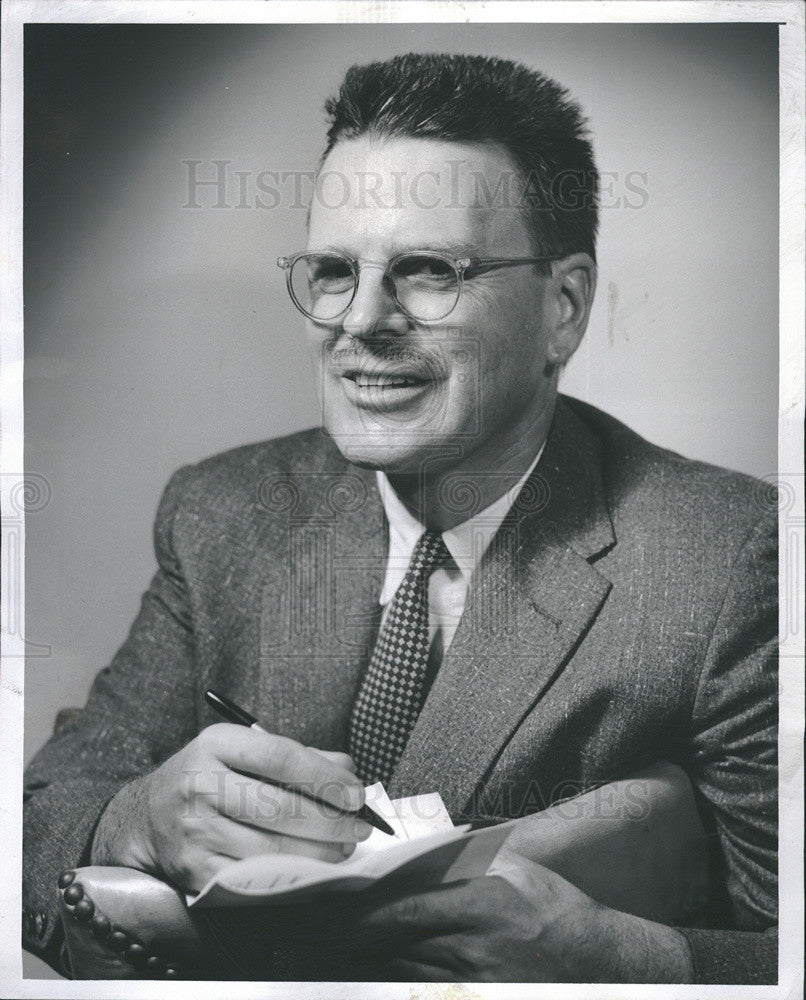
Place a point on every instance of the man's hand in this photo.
(521, 924)
(207, 805)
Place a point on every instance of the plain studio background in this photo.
(158, 334)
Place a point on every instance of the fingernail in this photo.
(362, 830)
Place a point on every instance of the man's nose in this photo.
(374, 309)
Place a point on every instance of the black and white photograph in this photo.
(402, 493)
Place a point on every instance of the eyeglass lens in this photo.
(425, 285)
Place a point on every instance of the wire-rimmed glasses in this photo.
(425, 284)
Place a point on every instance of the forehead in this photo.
(382, 195)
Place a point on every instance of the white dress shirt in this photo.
(467, 542)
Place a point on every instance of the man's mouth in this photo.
(367, 381)
(385, 391)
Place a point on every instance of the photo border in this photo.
(789, 14)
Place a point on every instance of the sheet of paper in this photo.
(410, 818)
(422, 815)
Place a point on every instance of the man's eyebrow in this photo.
(329, 248)
(437, 246)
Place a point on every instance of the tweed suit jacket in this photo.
(624, 613)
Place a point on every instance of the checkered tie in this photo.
(391, 694)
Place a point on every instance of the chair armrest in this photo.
(124, 924)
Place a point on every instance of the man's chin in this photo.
(381, 457)
(400, 454)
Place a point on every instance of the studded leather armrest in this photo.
(124, 924)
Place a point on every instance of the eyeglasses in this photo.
(425, 284)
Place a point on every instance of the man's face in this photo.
(396, 392)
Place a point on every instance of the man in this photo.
(467, 584)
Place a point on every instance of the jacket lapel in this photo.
(320, 603)
(533, 596)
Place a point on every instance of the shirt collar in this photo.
(467, 542)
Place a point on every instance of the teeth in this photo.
(368, 381)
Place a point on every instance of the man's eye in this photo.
(424, 268)
(329, 271)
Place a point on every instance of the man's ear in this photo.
(573, 281)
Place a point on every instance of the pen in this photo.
(234, 713)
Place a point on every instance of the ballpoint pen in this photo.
(234, 713)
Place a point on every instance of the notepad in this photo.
(426, 850)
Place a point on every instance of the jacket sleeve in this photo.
(139, 711)
(733, 766)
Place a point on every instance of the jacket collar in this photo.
(565, 498)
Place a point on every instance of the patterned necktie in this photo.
(391, 693)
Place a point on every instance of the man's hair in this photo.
(463, 98)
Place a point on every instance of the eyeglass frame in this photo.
(459, 264)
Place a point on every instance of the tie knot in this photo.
(429, 554)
